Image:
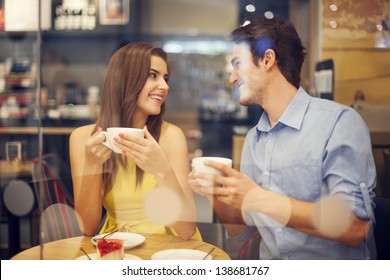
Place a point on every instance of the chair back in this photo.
(385, 188)
(53, 174)
(213, 233)
(58, 219)
(250, 249)
(382, 227)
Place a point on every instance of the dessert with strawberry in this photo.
(109, 249)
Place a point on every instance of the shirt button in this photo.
(279, 230)
(362, 185)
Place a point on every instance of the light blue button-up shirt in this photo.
(317, 148)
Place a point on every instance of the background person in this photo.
(358, 100)
(307, 170)
(359, 96)
(134, 92)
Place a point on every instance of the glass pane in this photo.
(80, 37)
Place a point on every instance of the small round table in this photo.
(69, 249)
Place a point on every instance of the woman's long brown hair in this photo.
(126, 76)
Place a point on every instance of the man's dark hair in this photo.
(281, 37)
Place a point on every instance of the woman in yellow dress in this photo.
(134, 91)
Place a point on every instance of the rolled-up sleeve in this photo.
(349, 168)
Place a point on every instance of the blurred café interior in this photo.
(51, 79)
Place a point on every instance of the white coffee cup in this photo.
(113, 132)
(199, 166)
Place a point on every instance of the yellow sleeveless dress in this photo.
(125, 205)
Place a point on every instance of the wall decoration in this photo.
(114, 12)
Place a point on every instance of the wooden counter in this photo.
(55, 140)
(380, 137)
(15, 169)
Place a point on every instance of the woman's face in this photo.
(155, 89)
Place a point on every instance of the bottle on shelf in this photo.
(59, 21)
(2, 77)
(92, 100)
(91, 17)
(71, 15)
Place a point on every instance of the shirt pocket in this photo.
(301, 180)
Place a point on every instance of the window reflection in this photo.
(201, 100)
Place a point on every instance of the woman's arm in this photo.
(87, 156)
(174, 143)
(168, 161)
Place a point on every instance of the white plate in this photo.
(130, 240)
(94, 257)
(180, 254)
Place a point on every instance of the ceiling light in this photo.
(250, 8)
(269, 14)
(246, 22)
(333, 7)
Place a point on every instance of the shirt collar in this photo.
(293, 115)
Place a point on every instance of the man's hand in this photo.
(231, 188)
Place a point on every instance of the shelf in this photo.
(18, 36)
(64, 33)
(34, 130)
(22, 98)
(345, 49)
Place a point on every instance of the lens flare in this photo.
(163, 206)
(331, 216)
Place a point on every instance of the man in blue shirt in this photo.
(307, 171)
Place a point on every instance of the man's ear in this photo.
(269, 57)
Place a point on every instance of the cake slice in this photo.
(109, 249)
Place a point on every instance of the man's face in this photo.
(248, 77)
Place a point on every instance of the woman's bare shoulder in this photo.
(170, 130)
(82, 132)
(172, 138)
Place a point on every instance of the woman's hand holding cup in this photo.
(114, 132)
(95, 153)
